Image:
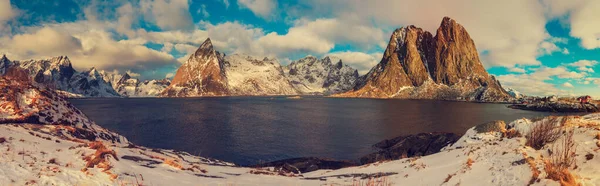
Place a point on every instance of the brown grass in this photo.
(512, 133)
(534, 171)
(544, 132)
(563, 157)
(470, 162)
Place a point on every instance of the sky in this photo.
(537, 47)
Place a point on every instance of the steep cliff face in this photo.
(456, 57)
(329, 75)
(201, 75)
(417, 65)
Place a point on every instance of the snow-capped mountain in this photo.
(418, 65)
(248, 75)
(58, 73)
(514, 93)
(329, 75)
(128, 86)
(210, 73)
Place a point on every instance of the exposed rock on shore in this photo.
(409, 146)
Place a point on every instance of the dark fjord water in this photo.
(249, 130)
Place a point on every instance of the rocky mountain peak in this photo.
(201, 75)
(205, 50)
(456, 56)
(416, 64)
(4, 58)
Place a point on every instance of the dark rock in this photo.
(409, 146)
(303, 165)
(566, 107)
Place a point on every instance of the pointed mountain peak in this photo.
(205, 50)
(450, 24)
(61, 61)
(207, 44)
(4, 58)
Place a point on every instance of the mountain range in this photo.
(415, 65)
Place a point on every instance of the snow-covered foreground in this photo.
(46, 141)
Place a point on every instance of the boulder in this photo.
(494, 126)
(307, 164)
(409, 146)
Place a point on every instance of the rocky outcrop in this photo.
(58, 73)
(565, 107)
(493, 126)
(329, 75)
(24, 102)
(417, 65)
(409, 146)
(304, 165)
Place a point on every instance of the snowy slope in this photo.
(329, 75)
(248, 75)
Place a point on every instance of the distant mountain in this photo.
(417, 65)
(58, 73)
(329, 75)
(128, 86)
(514, 93)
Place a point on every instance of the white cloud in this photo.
(566, 51)
(567, 85)
(86, 46)
(7, 13)
(516, 69)
(582, 19)
(226, 3)
(363, 62)
(548, 48)
(125, 20)
(132, 74)
(263, 8)
(202, 11)
(584, 65)
(509, 38)
(321, 35)
(538, 82)
(168, 14)
(46, 41)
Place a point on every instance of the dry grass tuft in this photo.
(562, 158)
(544, 132)
(377, 181)
(470, 162)
(512, 133)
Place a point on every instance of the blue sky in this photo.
(538, 47)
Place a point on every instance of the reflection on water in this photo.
(247, 130)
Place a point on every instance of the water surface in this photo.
(249, 130)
